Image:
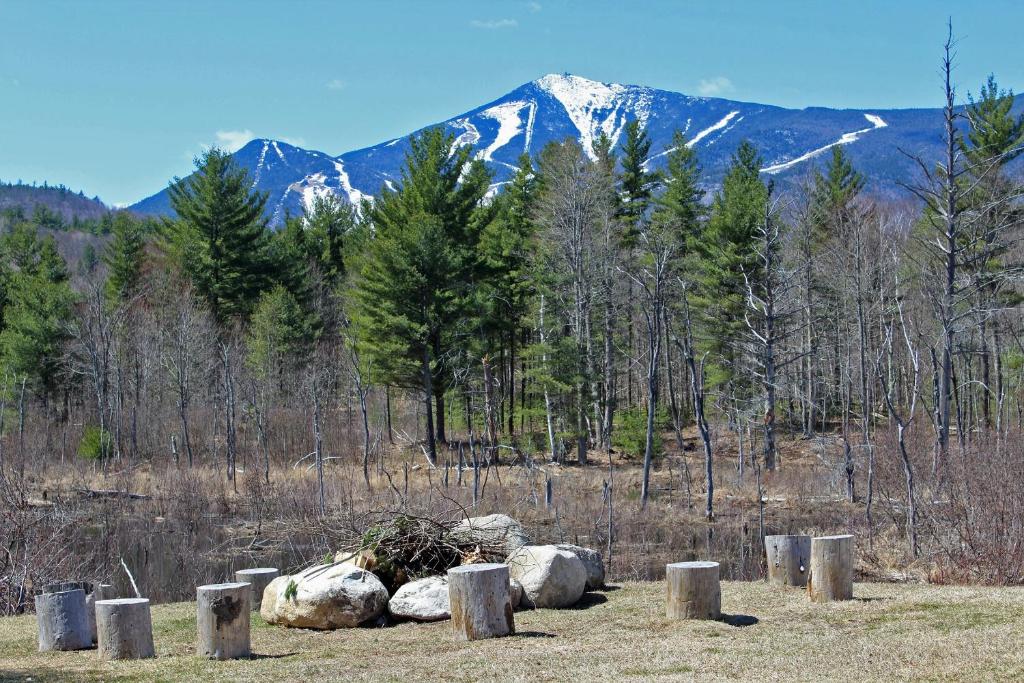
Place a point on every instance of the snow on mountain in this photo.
(845, 139)
(559, 106)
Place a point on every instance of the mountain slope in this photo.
(559, 106)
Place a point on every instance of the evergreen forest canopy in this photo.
(590, 305)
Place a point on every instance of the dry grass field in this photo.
(889, 632)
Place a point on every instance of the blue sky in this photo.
(116, 97)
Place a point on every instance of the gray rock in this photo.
(421, 600)
(515, 593)
(497, 532)
(427, 599)
(326, 597)
(591, 561)
(550, 577)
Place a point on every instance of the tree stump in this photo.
(788, 559)
(124, 629)
(101, 591)
(479, 601)
(222, 617)
(63, 621)
(831, 576)
(692, 591)
(259, 578)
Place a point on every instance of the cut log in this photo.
(788, 559)
(124, 629)
(63, 621)
(692, 591)
(258, 578)
(478, 595)
(100, 591)
(831, 569)
(222, 618)
(107, 493)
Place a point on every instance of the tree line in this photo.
(591, 303)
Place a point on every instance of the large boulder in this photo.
(495, 534)
(422, 600)
(515, 592)
(325, 597)
(550, 577)
(591, 560)
(427, 599)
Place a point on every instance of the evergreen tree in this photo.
(37, 305)
(680, 206)
(418, 271)
(505, 251)
(728, 258)
(636, 183)
(996, 135)
(124, 258)
(328, 224)
(220, 237)
(280, 334)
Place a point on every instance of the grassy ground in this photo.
(889, 632)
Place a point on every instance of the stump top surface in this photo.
(692, 565)
(258, 570)
(773, 536)
(65, 592)
(482, 567)
(833, 538)
(237, 585)
(123, 601)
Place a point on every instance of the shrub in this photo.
(95, 444)
(630, 434)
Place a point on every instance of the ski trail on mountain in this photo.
(846, 138)
(718, 125)
(507, 116)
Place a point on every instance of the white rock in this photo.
(591, 561)
(490, 531)
(550, 577)
(326, 597)
(422, 600)
(515, 592)
(427, 599)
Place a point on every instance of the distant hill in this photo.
(61, 204)
(791, 141)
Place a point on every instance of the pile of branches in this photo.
(405, 547)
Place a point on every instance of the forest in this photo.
(660, 361)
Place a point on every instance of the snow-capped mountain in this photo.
(558, 106)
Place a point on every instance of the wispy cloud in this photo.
(336, 84)
(295, 142)
(715, 86)
(492, 24)
(534, 7)
(233, 140)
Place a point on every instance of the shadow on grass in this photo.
(739, 620)
(589, 600)
(37, 675)
(874, 599)
(533, 634)
(255, 655)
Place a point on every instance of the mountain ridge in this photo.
(557, 106)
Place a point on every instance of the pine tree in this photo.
(505, 250)
(37, 305)
(124, 258)
(220, 237)
(680, 206)
(728, 259)
(417, 274)
(636, 183)
(279, 336)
